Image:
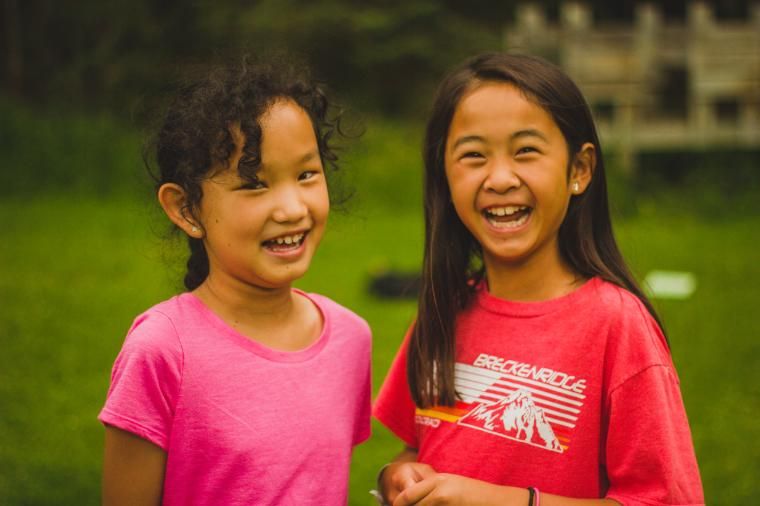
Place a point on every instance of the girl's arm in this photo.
(133, 469)
(442, 488)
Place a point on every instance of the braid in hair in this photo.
(197, 264)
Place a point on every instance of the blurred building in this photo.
(655, 84)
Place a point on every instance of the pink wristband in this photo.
(538, 497)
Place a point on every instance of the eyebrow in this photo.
(466, 139)
(309, 157)
(530, 132)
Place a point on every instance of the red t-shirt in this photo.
(576, 396)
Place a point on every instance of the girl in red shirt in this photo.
(537, 372)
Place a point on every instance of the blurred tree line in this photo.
(383, 55)
(104, 54)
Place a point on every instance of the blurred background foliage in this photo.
(384, 54)
(84, 250)
(118, 61)
(105, 54)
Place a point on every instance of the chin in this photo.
(291, 276)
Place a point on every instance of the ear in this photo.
(173, 200)
(582, 169)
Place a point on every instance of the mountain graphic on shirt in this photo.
(515, 416)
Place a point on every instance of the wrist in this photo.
(515, 496)
(534, 498)
(379, 492)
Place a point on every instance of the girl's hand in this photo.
(400, 476)
(442, 488)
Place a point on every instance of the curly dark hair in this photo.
(194, 136)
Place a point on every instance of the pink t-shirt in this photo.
(242, 423)
(576, 396)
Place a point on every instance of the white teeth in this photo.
(289, 239)
(510, 224)
(506, 210)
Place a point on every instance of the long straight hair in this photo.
(452, 264)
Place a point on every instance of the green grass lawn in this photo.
(75, 271)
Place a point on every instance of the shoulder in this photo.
(348, 332)
(635, 341)
(153, 335)
(622, 309)
(338, 314)
(146, 377)
(614, 299)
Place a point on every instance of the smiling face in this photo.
(264, 232)
(506, 165)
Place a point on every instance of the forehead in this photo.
(287, 133)
(499, 107)
(287, 139)
(284, 112)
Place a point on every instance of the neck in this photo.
(542, 276)
(274, 317)
(242, 304)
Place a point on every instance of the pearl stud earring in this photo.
(576, 187)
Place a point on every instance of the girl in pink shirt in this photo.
(241, 390)
(536, 372)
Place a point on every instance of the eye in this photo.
(253, 184)
(472, 155)
(307, 174)
(526, 150)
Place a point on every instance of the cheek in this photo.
(463, 185)
(465, 206)
(453, 180)
(320, 203)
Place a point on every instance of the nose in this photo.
(289, 206)
(501, 177)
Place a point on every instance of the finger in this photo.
(404, 479)
(424, 471)
(415, 493)
(414, 473)
(409, 481)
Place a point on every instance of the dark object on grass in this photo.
(395, 285)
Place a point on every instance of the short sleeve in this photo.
(394, 406)
(145, 380)
(650, 459)
(362, 428)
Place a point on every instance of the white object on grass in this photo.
(670, 284)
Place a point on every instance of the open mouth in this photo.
(507, 216)
(285, 242)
